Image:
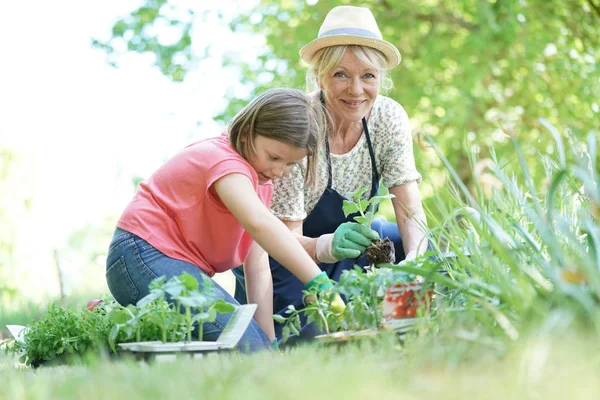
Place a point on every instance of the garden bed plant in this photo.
(364, 289)
(173, 311)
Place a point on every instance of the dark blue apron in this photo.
(325, 218)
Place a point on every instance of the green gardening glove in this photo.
(324, 287)
(321, 282)
(351, 239)
(275, 345)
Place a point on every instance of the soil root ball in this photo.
(381, 252)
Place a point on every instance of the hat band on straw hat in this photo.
(351, 31)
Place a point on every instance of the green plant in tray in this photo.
(167, 313)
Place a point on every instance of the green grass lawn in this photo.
(540, 368)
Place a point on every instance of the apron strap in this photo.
(375, 180)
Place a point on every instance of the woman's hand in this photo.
(349, 240)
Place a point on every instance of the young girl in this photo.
(206, 210)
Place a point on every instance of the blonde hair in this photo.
(287, 115)
(326, 59)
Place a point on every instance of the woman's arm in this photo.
(411, 219)
(238, 195)
(259, 287)
(309, 244)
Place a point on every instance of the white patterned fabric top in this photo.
(391, 137)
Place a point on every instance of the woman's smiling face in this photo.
(350, 89)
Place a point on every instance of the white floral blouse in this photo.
(391, 137)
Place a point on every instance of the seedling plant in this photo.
(381, 251)
(175, 318)
(168, 313)
(362, 289)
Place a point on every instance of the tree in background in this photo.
(473, 71)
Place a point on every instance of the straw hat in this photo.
(347, 25)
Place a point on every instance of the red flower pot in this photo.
(402, 300)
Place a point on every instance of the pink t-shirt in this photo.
(175, 212)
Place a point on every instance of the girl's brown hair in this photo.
(287, 115)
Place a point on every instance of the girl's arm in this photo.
(259, 288)
(237, 193)
(309, 244)
(411, 219)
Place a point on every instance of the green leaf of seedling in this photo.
(293, 328)
(195, 300)
(112, 336)
(208, 287)
(128, 330)
(155, 319)
(212, 315)
(201, 317)
(223, 307)
(149, 298)
(378, 199)
(285, 333)
(174, 287)
(157, 283)
(188, 281)
(361, 220)
(369, 216)
(349, 208)
(138, 317)
(356, 195)
(296, 323)
(119, 316)
(279, 318)
(364, 204)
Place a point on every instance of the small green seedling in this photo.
(363, 207)
(381, 251)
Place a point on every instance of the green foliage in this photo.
(473, 73)
(172, 58)
(72, 331)
(533, 253)
(199, 306)
(62, 332)
(363, 290)
(364, 208)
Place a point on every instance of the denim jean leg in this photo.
(240, 285)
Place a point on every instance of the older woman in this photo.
(368, 140)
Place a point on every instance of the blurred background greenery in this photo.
(473, 71)
(474, 75)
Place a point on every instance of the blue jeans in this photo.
(132, 263)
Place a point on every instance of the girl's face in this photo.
(350, 89)
(273, 159)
